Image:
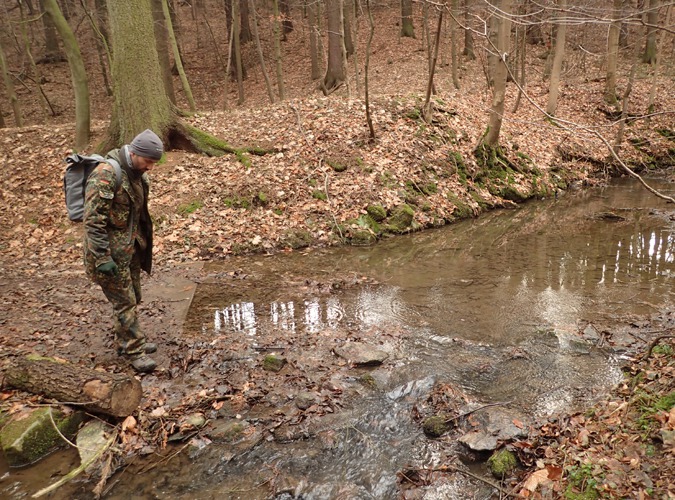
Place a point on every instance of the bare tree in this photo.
(313, 19)
(652, 22)
(554, 83)
(613, 53)
(468, 52)
(261, 56)
(9, 88)
(335, 72)
(77, 72)
(491, 137)
(177, 58)
(277, 51)
(407, 28)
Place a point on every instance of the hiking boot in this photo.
(150, 347)
(143, 364)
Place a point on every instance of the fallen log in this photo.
(113, 394)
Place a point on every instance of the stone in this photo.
(304, 400)
(495, 425)
(31, 435)
(361, 354)
(273, 363)
(91, 439)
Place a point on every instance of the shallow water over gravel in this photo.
(493, 305)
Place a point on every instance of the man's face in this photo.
(141, 163)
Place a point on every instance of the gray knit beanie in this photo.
(147, 145)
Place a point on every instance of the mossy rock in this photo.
(298, 239)
(401, 219)
(502, 463)
(377, 212)
(368, 380)
(513, 194)
(462, 209)
(273, 363)
(227, 431)
(27, 440)
(363, 238)
(435, 426)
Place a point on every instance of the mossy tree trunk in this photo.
(140, 100)
(77, 73)
(53, 52)
(162, 41)
(176, 55)
(101, 392)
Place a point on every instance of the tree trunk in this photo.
(623, 30)
(176, 55)
(77, 72)
(347, 24)
(407, 28)
(554, 84)
(277, 52)
(613, 53)
(139, 98)
(491, 138)
(657, 65)
(468, 52)
(261, 56)
(371, 32)
(334, 76)
(162, 41)
(98, 20)
(286, 21)
(652, 20)
(313, 15)
(245, 33)
(53, 52)
(113, 394)
(9, 88)
(236, 24)
(427, 109)
(139, 101)
(453, 44)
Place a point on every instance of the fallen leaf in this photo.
(536, 479)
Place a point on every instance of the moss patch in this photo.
(401, 219)
(273, 363)
(377, 212)
(29, 439)
(435, 426)
(502, 463)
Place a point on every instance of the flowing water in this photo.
(493, 305)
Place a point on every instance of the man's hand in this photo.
(109, 268)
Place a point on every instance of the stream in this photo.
(514, 306)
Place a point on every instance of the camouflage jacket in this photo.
(114, 220)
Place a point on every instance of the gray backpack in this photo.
(75, 181)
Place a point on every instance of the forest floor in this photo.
(313, 189)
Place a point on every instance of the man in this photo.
(118, 239)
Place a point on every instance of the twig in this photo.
(169, 457)
(655, 342)
(297, 117)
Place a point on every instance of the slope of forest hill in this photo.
(298, 194)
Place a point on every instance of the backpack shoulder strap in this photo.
(118, 171)
(116, 167)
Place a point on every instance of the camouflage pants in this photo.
(124, 293)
